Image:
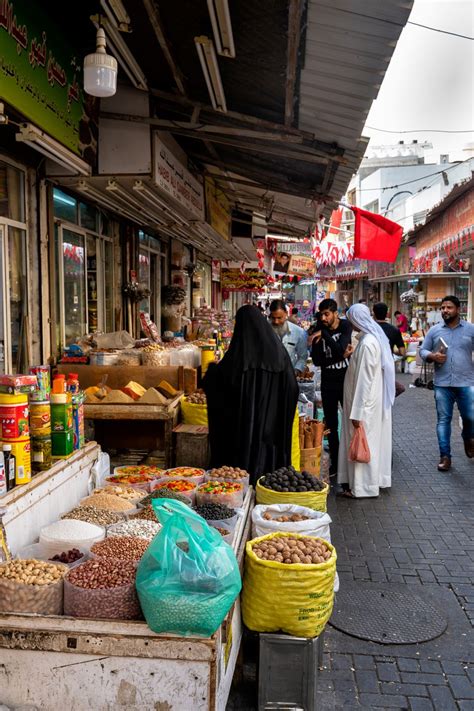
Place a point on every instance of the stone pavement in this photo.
(419, 534)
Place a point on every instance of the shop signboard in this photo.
(41, 75)
(235, 279)
(352, 270)
(218, 212)
(176, 181)
(215, 270)
(303, 248)
(294, 264)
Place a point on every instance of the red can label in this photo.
(14, 421)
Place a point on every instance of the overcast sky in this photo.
(430, 81)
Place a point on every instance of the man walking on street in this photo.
(449, 345)
(393, 334)
(292, 336)
(331, 347)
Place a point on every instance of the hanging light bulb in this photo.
(100, 70)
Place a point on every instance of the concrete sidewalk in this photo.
(420, 534)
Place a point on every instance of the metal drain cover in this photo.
(385, 616)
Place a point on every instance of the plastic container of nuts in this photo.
(102, 589)
(37, 551)
(33, 586)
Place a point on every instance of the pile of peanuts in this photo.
(229, 473)
(292, 518)
(292, 550)
(90, 514)
(120, 547)
(102, 574)
(32, 572)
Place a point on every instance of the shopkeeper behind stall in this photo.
(251, 399)
(292, 336)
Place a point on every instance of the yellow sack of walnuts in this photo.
(193, 414)
(295, 598)
(295, 442)
(316, 500)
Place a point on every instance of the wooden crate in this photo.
(191, 446)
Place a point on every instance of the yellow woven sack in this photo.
(295, 598)
(193, 414)
(316, 500)
(295, 442)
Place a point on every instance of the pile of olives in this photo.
(288, 479)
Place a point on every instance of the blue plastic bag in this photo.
(188, 577)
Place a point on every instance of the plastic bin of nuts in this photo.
(229, 474)
(123, 548)
(101, 588)
(33, 586)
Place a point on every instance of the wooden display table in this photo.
(134, 425)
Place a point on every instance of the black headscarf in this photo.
(251, 399)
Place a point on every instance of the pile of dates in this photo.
(288, 479)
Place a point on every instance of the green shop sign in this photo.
(39, 74)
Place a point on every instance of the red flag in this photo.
(375, 237)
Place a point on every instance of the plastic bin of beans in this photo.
(215, 514)
(221, 492)
(124, 548)
(69, 533)
(226, 533)
(181, 486)
(189, 473)
(33, 586)
(145, 513)
(102, 589)
(71, 557)
(90, 514)
(109, 502)
(135, 527)
(229, 474)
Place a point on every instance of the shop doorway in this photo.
(14, 326)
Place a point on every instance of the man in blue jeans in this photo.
(449, 345)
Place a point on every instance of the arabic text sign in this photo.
(301, 265)
(218, 209)
(39, 74)
(176, 181)
(246, 280)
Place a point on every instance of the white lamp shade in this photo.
(100, 70)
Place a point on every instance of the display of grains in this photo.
(90, 514)
(292, 518)
(165, 493)
(137, 527)
(292, 550)
(102, 588)
(108, 502)
(32, 586)
(68, 557)
(146, 513)
(71, 530)
(121, 547)
(197, 398)
(124, 492)
(229, 473)
(215, 512)
(288, 479)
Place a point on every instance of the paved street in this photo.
(420, 534)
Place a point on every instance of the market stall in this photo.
(57, 662)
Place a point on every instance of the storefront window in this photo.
(12, 193)
(75, 323)
(18, 301)
(89, 217)
(65, 206)
(108, 259)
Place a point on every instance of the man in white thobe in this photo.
(369, 393)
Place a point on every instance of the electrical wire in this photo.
(421, 130)
(400, 24)
(415, 180)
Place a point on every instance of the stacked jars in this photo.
(40, 419)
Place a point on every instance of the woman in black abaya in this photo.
(251, 399)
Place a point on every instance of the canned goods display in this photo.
(41, 451)
(40, 418)
(14, 422)
(43, 387)
(21, 449)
